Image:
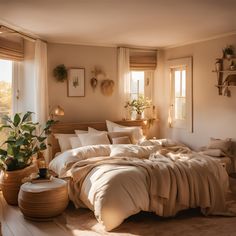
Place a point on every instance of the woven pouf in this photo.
(42, 201)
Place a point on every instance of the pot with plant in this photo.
(60, 73)
(228, 52)
(139, 106)
(25, 140)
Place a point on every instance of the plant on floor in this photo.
(25, 139)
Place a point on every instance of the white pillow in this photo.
(64, 141)
(224, 145)
(92, 131)
(137, 132)
(132, 150)
(121, 140)
(78, 131)
(93, 139)
(75, 142)
(111, 125)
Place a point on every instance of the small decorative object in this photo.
(60, 73)
(76, 82)
(93, 83)
(232, 66)
(56, 111)
(24, 141)
(98, 73)
(107, 87)
(228, 52)
(218, 64)
(139, 105)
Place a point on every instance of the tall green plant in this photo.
(25, 139)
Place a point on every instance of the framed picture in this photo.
(76, 82)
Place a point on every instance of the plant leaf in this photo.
(4, 126)
(3, 152)
(27, 116)
(17, 120)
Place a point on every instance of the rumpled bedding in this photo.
(170, 179)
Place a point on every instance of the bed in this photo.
(116, 181)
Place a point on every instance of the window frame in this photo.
(187, 123)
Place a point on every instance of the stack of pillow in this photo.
(116, 134)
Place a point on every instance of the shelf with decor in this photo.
(225, 68)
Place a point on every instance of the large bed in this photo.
(119, 180)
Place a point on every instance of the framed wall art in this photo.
(76, 82)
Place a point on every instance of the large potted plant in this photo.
(138, 105)
(25, 140)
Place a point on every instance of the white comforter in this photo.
(165, 182)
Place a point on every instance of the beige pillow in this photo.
(121, 140)
(112, 135)
(64, 141)
(78, 131)
(224, 145)
(75, 142)
(92, 130)
(93, 139)
(132, 151)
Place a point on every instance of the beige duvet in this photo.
(167, 181)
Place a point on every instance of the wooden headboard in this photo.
(69, 128)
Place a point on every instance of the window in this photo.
(5, 91)
(180, 115)
(136, 84)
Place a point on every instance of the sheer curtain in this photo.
(123, 76)
(41, 83)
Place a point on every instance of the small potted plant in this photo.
(139, 105)
(228, 52)
(24, 141)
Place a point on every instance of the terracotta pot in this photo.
(10, 182)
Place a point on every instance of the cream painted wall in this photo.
(94, 106)
(213, 115)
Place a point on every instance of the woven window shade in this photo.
(11, 48)
(143, 60)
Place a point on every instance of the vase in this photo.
(138, 116)
(10, 182)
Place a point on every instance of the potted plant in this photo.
(60, 73)
(138, 105)
(228, 52)
(25, 140)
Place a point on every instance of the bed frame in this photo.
(69, 128)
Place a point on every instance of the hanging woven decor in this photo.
(107, 87)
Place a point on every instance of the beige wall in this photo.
(94, 106)
(213, 115)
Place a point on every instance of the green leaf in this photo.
(17, 120)
(4, 126)
(27, 116)
(41, 139)
(3, 152)
(20, 141)
(42, 146)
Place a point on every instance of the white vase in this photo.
(138, 116)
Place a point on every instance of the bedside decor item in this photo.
(56, 111)
(60, 73)
(228, 52)
(93, 83)
(76, 82)
(41, 201)
(107, 87)
(139, 105)
(24, 141)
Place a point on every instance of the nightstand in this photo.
(42, 201)
(232, 182)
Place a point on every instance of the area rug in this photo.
(191, 222)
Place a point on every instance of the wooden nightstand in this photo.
(42, 201)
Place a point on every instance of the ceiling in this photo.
(150, 23)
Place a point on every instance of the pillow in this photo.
(93, 139)
(213, 152)
(75, 142)
(137, 132)
(92, 131)
(224, 145)
(132, 151)
(112, 135)
(78, 131)
(121, 140)
(111, 125)
(64, 141)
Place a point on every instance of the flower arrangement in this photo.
(139, 105)
(24, 140)
(228, 51)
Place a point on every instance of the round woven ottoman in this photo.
(42, 201)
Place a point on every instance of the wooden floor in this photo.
(81, 222)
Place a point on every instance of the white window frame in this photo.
(188, 122)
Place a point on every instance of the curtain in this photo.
(17, 71)
(123, 77)
(41, 84)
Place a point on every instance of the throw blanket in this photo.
(170, 180)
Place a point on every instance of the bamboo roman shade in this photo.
(143, 60)
(11, 48)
